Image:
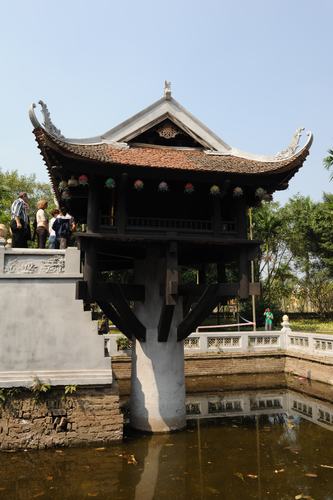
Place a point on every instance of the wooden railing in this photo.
(159, 223)
(163, 224)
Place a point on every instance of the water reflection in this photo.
(273, 444)
(290, 403)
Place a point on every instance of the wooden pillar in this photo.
(242, 218)
(217, 219)
(243, 275)
(121, 209)
(93, 207)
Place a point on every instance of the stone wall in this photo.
(316, 368)
(45, 332)
(45, 420)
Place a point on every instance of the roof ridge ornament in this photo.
(47, 125)
(167, 90)
(293, 146)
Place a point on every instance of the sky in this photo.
(252, 71)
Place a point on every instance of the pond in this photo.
(268, 444)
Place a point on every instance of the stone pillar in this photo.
(158, 385)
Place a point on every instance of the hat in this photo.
(22, 194)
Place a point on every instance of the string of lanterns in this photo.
(163, 187)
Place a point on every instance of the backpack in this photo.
(64, 229)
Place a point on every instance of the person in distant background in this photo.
(268, 315)
(19, 224)
(42, 223)
(53, 243)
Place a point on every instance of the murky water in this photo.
(272, 444)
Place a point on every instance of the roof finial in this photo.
(167, 89)
(294, 144)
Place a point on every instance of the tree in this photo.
(328, 162)
(11, 183)
(323, 232)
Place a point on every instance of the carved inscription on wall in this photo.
(51, 265)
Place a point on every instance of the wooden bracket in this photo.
(199, 312)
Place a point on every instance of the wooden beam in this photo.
(164, 323)
(93, 206)
(113, 316)
(104, 291)
(128, 318)
(223, 290)
(115, 307)
(199, 312)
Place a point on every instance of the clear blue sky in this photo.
(252, 71)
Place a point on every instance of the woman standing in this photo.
(52, 235)
(42, 224)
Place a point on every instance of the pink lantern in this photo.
(83, 180)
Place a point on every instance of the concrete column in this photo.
(158, 384)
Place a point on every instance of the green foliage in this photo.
(123, 343)
(312, 326)
(296, 252)
(70, 389)
(11, 183)
(323, 232)
(7, 393)
(38, 387)
(328, 162)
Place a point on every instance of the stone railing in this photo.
(36, 263)
(229, 342)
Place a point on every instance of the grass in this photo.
(312, 326)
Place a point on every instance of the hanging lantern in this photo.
(260, 193)
(110, 183)
(163, 187)
(189, 188)
(83, 180)
(62, 185)
(72, 182)
(214, 190)
(138, 185)
(237, 192)
(267, 197)
(66, 195)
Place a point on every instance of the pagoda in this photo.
(155, 194)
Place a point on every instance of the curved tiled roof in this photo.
(169, 158)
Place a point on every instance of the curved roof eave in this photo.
(161, 108)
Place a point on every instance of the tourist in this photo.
(268, 315)
(42, 224)
(63, 226)
(53, 243)
(19, 224)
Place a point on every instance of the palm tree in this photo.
(328, 162)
